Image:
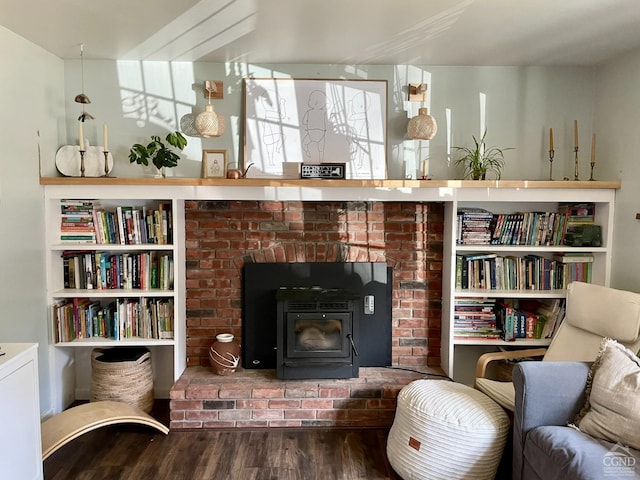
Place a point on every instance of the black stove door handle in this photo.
(353, 345)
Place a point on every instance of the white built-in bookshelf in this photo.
(71, 360)
(459, 354)
(125, 291)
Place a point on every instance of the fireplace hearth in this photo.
(317, 333)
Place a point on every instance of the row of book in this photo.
(85, 221)
(529, 228)
(474, 226)
(492, 319)
(491, 271)
(102, 270)
(76, 221)
(541, 322)
(475, 318)
(477, 226)
(119, 319)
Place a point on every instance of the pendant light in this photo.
(209, 123)
(423, 126)
(81, 97)
(187, 125)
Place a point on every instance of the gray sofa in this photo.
(548, 396)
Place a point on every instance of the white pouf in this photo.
(446, 430)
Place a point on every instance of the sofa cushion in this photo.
(563, 453)
(612, 409)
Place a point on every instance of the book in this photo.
(531, 322)
(122, 234)
(505, 321)
(551, 311)
(574, 257)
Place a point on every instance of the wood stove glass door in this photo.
(318, 335)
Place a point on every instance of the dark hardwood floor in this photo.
(133, 452)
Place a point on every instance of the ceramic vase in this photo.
(224, 354)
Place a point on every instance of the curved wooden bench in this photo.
(60, 429)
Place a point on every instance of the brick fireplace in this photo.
(221, 236)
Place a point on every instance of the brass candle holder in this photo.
(593, 164)
(551, 154)
(82, 152)
(575, 172)
(106, 162)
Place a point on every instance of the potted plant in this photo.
(158, 152)
(479, 160)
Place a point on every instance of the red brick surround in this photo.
(221, 236)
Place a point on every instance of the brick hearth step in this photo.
(201, 399)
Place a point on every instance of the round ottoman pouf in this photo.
(446, 430)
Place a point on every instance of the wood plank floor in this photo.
(132, 452)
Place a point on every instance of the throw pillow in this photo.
(612, 409)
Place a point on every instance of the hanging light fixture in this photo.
(187, 125)
(423, 126)
(209, 123)
(81, 97)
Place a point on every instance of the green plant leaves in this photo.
(480, 160)
(158, 152)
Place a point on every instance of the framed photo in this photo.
(315, 121)
(214, 163)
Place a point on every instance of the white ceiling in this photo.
(421, 32)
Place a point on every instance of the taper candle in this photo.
(551, 139)
(575, 133)
(105, 135)
(80, 136)
(424, 168)
(593, 148)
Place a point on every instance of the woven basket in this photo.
(123, 381)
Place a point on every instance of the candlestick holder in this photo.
(106, 162)
(551, 154)
(82, 152)
(593, 164)
(575, 171)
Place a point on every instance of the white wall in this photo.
(617, 122)
(142, 99)
(32, 111)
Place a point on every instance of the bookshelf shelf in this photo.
(527, 249)
(98, 342)
(112, 293)
(110, 247)
(484, 293)
(520, 342)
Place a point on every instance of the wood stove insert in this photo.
(370, 282)
(317, 333)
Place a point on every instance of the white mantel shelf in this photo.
(317, 190)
